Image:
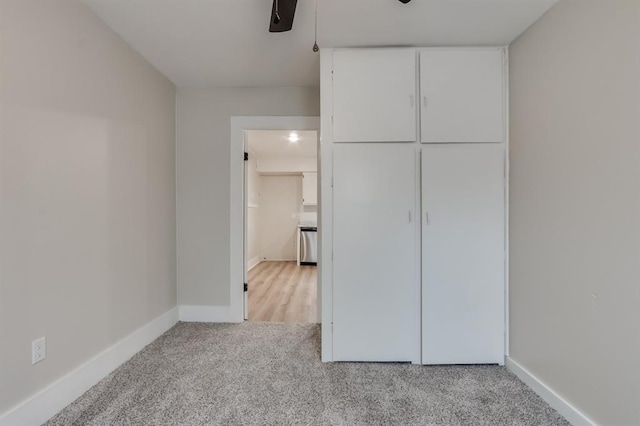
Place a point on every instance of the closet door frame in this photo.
(325, 208)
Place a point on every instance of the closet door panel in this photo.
(463, 260)
(375, 277)
(462, 96)
(374, 95)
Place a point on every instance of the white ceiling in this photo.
(276, 144)
(206, 43)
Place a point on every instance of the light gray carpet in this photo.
(271, 374)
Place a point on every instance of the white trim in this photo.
(417, 298)
(235, 310)
(253, 263)
(564, 407)
(204, 313)
(325, 200)
(507, 166)
(48, 402)
(176, 238)
(418, 222)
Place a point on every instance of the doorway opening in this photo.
(281, 219)
(238, 309)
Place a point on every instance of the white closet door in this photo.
(463, 261)
(462, 96)
(375, 280)
(374, 95)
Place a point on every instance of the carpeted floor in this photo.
(271, 374)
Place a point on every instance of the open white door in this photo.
(245, 244)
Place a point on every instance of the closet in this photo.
(418, 190)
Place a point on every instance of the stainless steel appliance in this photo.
(308, 245)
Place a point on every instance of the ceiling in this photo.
(276, 144)
(215, 43)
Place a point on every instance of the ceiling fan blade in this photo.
(283, 21)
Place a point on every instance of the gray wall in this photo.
(87, 191)
(575, 205)
(204, 133)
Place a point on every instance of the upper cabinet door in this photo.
(309, 188)
(462, 96)
(374, 95)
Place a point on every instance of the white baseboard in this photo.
(49, 401)
(196, 313)
(562, 406)
(253, 263)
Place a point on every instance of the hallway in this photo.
(283, 292)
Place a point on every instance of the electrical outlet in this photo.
(38, 350)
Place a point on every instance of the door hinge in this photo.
(246, 286)
(246, 156)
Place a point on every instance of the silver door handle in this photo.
(409, 216)
(427, 219)
(411, 100)
(425, 102)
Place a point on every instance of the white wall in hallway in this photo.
(575, 206)
(281, 198)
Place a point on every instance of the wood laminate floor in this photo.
(283, 292)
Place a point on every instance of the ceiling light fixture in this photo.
(293, 137)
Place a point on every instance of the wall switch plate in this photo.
(38, 350)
